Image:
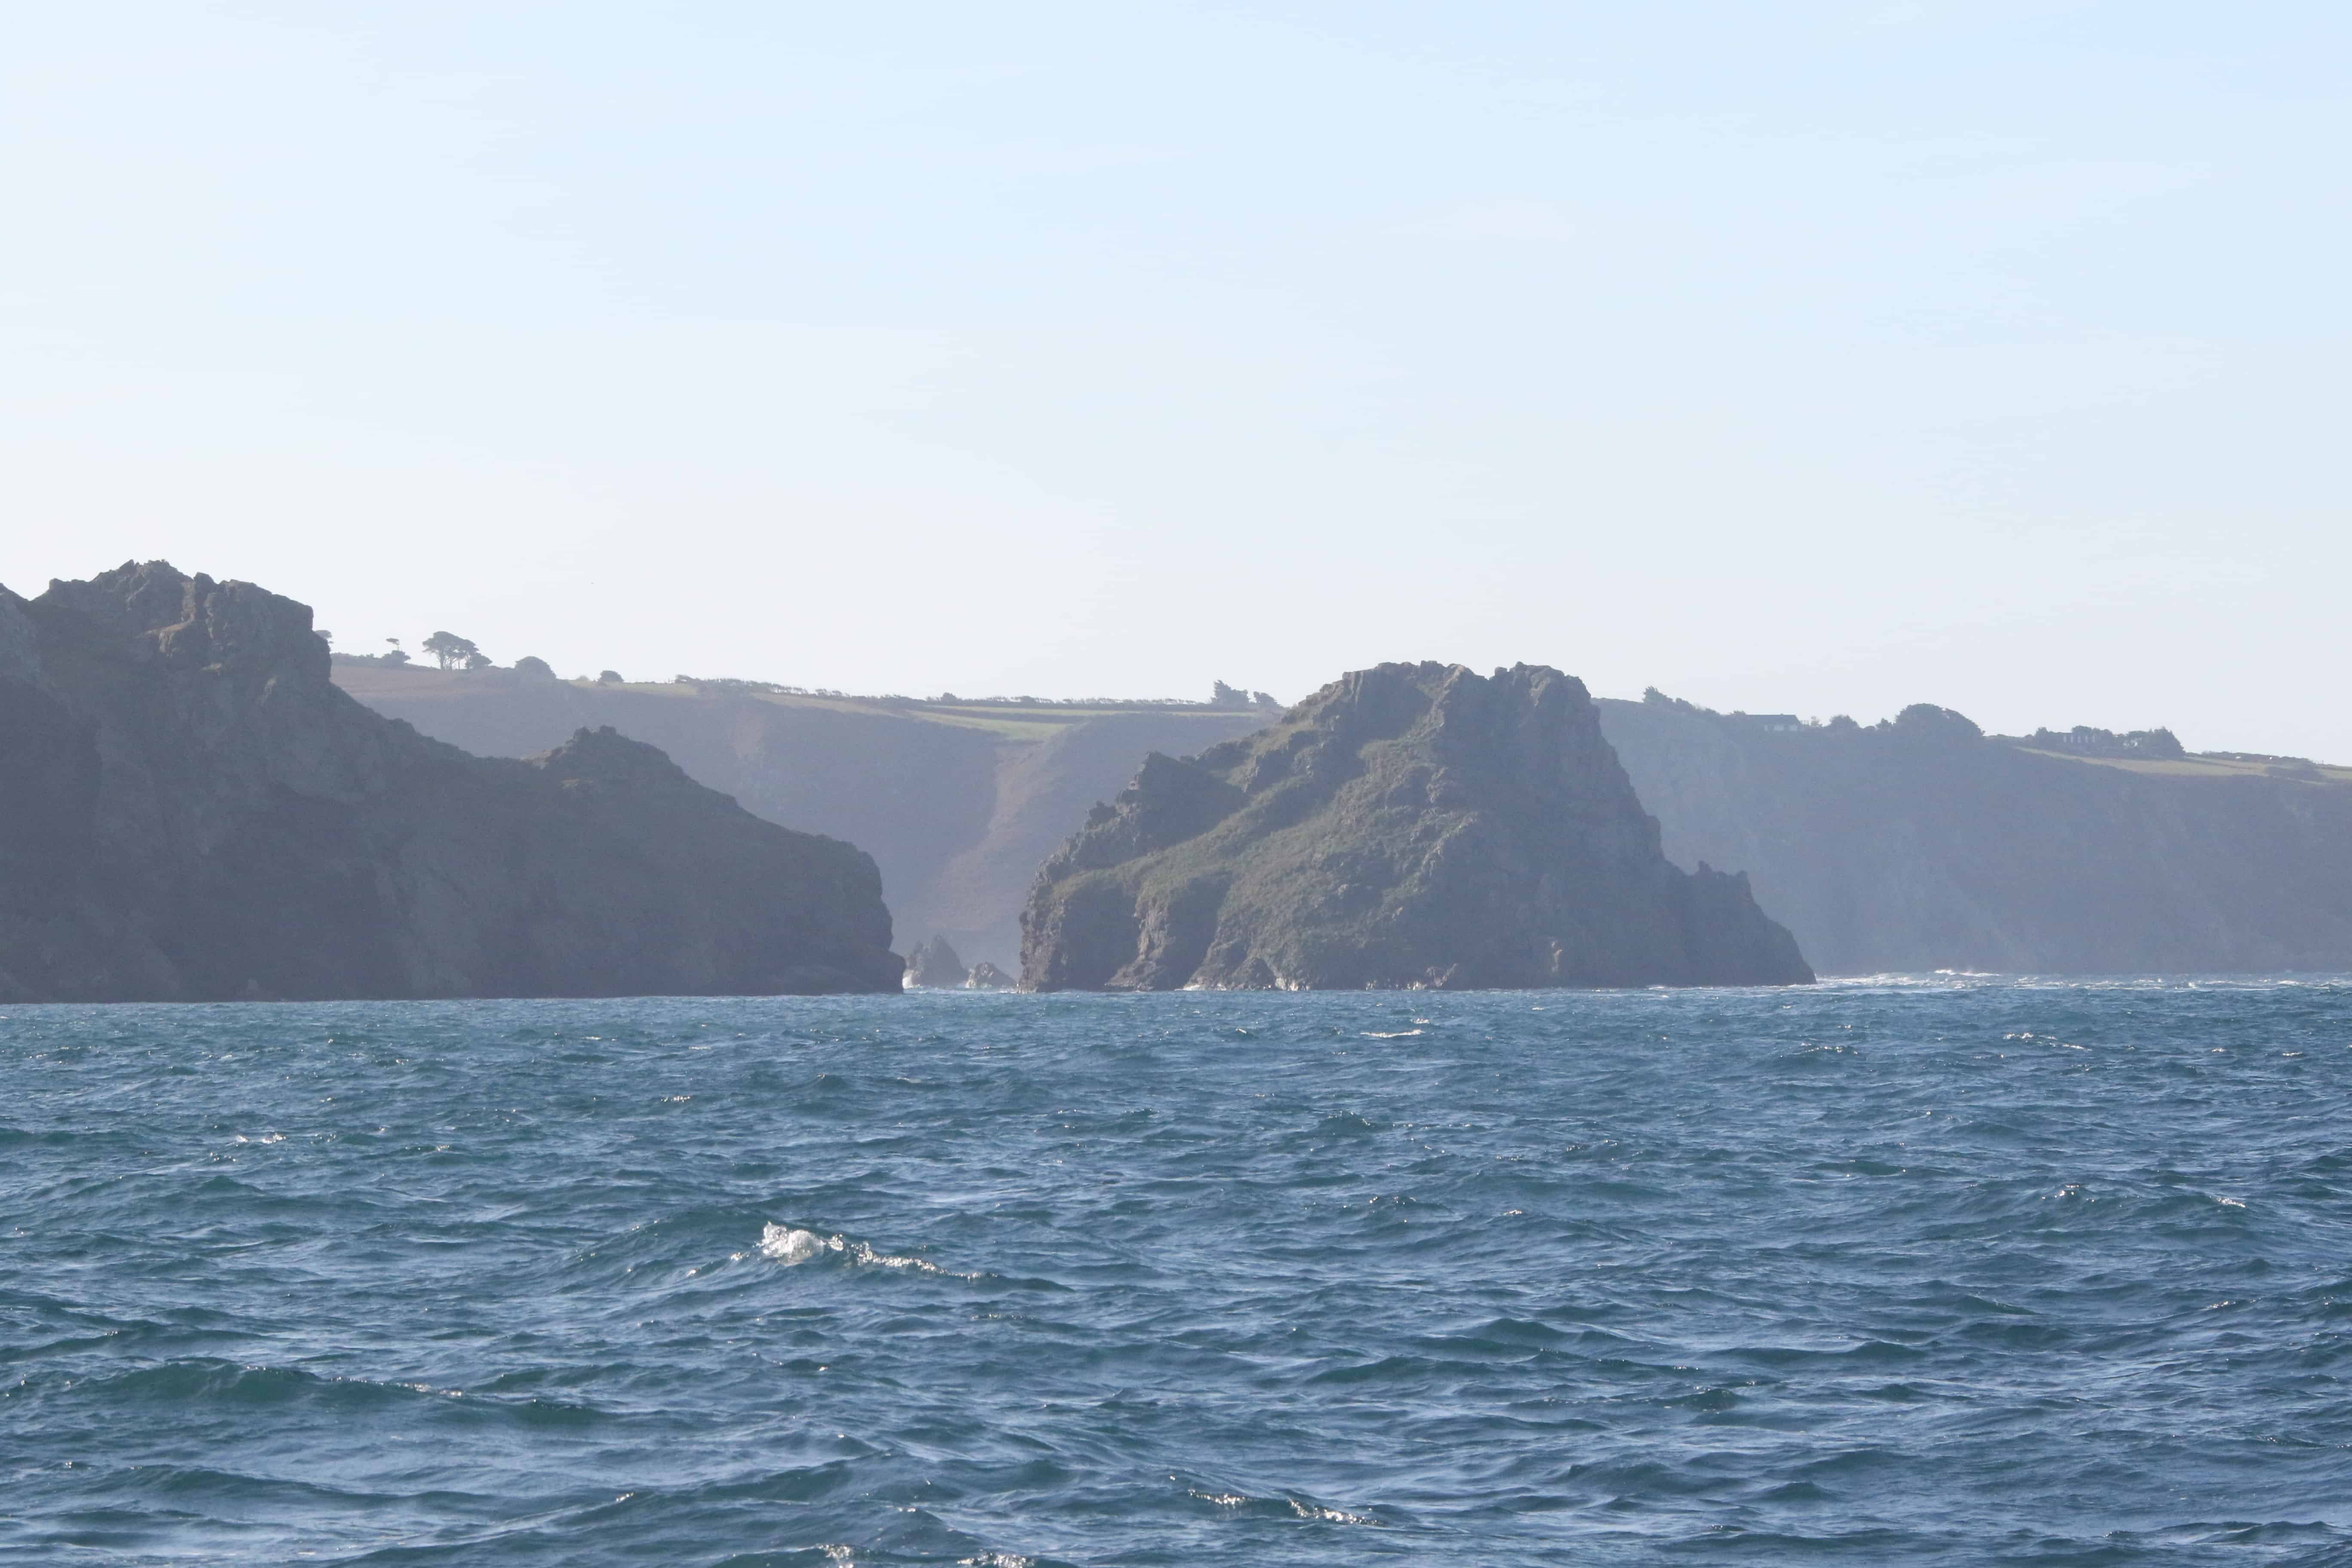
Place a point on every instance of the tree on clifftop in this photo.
(448, 648)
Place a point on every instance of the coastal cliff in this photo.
(1920, 844)
(1407, 826)
(957, 802)
(191, 810)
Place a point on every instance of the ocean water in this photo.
(1948, 1269)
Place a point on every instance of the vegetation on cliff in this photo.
(1410, 824)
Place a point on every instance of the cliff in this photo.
(1922, 845)
(190, 809)
(959, 803)
(1410, 824)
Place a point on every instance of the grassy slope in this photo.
(2193, 767)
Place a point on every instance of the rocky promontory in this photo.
(191, 810)
(936, 963)
(1407, 825)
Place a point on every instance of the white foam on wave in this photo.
(785, 1245)
(790, 1245)
(1978, 979)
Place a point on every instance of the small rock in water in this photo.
(986, 977)
(935, 963)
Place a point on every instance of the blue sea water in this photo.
(1941, 1270)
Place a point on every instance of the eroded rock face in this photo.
(189, 809)
(1407, 826)
(986, 977)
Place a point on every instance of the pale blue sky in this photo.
(1824, 357)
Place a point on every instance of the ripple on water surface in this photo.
(1917, 1268)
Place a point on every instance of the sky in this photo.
(1820, 358)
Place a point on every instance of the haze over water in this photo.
(1947, 1269)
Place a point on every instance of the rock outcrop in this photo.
(1407, 826)
(936, 963)
(986, 977)
(190, 809)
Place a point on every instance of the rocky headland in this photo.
(1407, 826)
(1921, 844)
(1918, 844)
(957, 802)
(190, 810)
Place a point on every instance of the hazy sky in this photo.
(1825, 357)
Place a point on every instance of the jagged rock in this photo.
(935, 963)
(189, 809)
(1407, 826)
(986, 977)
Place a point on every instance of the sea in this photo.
(1910, 1269)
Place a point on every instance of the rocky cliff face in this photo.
(189, 809)
(1921, 845)
(1410, 825)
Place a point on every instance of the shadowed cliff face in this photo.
(1410, 825)
(190, 809)
(1909, 848)
(958, 816)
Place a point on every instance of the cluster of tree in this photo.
(728, 686)
(2094, 742)
(453, 652)
(450, 651)
(1921, 721)
(1654, 698)
(1223, 696)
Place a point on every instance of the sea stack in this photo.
(1409, 825)
(936, 963)
(190, 810)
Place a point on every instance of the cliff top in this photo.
(1009, 718)
(2151, 752)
